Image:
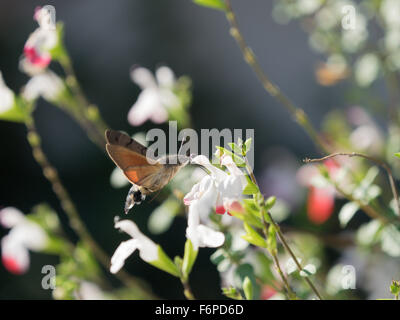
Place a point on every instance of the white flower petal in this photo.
(6, 96)
(124, 250)
(30, 235)
(148, 249)
(147, 106)
(10, 217)
(143, 78)
(14, 255)
(46, 84)
(165, 77)
(209, 237)
(90, 291)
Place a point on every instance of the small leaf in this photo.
(253, 237)
(395, 288)
(271, 241)
(189, 258)
(248, 288)
(214, 4)
(235, 148)
(165, 263)
(397, 154)
(247, 145)
(232, 293)
(270, 202)
(251, 188)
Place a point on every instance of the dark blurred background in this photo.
(104, 39)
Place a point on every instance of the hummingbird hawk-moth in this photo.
(146, 174)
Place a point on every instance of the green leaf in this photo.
(253, 237)
(270, 202)
(271, 241)
(238, 160)
(246, 271)
(165, 263)
(247, 145)
(251, 188)
(395, 288)
(189, 258)
(232, 293)
(15, 113)
(397, 154)
(235, 148)
(248, 288)
(214, 4)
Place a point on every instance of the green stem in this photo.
(86, 114)
(282, 239)
(297, 113)
(187, 291)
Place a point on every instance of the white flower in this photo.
(156, 97)
(90, 291)
(46, 84)
(6, 96)
(24, 235)
(220, 190)
(199, 234)
(148, 250)
(37, 48)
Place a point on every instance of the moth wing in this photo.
(146, 176)
(119, 138)
(134, 165)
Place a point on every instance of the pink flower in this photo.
(39, 44)
(24, 235)
(321, 196)
(156, 98)
(267, 292)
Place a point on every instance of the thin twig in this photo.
(299, 267)
(69, 208)
(282, 238)
(187, 290)
(380, 163)
(86, 114)
(297, 113)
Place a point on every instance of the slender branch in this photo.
(299, 267)
(380, 163)
(187, 291)
(290, 292)
(282, 239)
(69, 208)
(297, 113)
(87, 114)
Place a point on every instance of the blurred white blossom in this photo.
(6, 96)
(24, 235)
(156, 98)
(46, 84)
(37, 49)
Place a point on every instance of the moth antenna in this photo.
(182, 143)
(155, 196)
